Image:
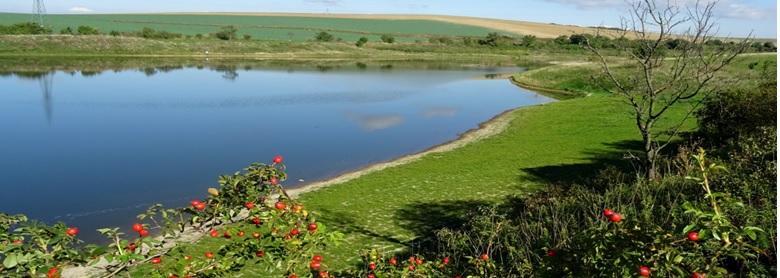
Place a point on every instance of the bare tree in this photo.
(666, 60)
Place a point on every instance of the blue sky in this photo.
(737, 17)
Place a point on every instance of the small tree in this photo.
(87, 30)
(528, 41)
(324, 37)
(67, 31)
(361, 42)
(226, 33)
(387, 38)
(656, 79)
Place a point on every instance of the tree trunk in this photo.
(650, 155)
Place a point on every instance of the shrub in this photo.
(280, 234)
(27, 28)
(528, 41)
(440, 40)
(361, 42)
(114, 33)
(387, 38)
(87, 30)
(66, 31)
(226, 33)
(562, 40)
(324, 37)
(495, 40)
(247, 37)
(578, 39)
(736, 112)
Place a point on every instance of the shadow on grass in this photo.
(347, 224)
(617, 156)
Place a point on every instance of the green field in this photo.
(260, 27)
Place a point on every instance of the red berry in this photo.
(446, 260)
(226, 234)
(324, 274)
(195, 202)
(393, 261)
(297, 208)
(18, 241)
(187, 257)
(280, 205)
(138, 227)
(72, 231)
(260, 253)
(256, 235)
(274, 181)
(644, 271)
(371, 275)
(551, 253)
(200, 206)
(173, 276)
(608, 212)
(214, 233)
(312, 227)
(372, 266)
(256, 221)
(314, 265)
(240, 233)
(132, 247)
(143, 233)
(485, 257)
(292, 276)
(249, 205)
(156, 260)
(693, 236)
(418, 261)
(278, 159)
(316, 258)
(697, 275)
(209, 255)
(53, 273)
(616, 218)
(411, 267)
(295, 232)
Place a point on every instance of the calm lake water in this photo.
(95, 148)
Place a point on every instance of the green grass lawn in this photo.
(556, 142)
(260, 27)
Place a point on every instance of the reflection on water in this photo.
(108, 142)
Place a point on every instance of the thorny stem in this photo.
(706, 183)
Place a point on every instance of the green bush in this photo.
(496, 40)
(226, 33)
(736, 112)
(324, 37)
(361, 42)
(387, 38)
(27, 28)
(67, 31)
(87, 30)
(247, 37)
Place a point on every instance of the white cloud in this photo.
(330, 3)
(725, 8)
(739, 10)
(80, 9)
(590, 4)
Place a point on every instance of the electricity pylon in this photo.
(39, 11)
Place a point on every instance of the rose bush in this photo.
(281, 234)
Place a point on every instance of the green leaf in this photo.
(689, 228)
(678, 259)
(10, 261)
